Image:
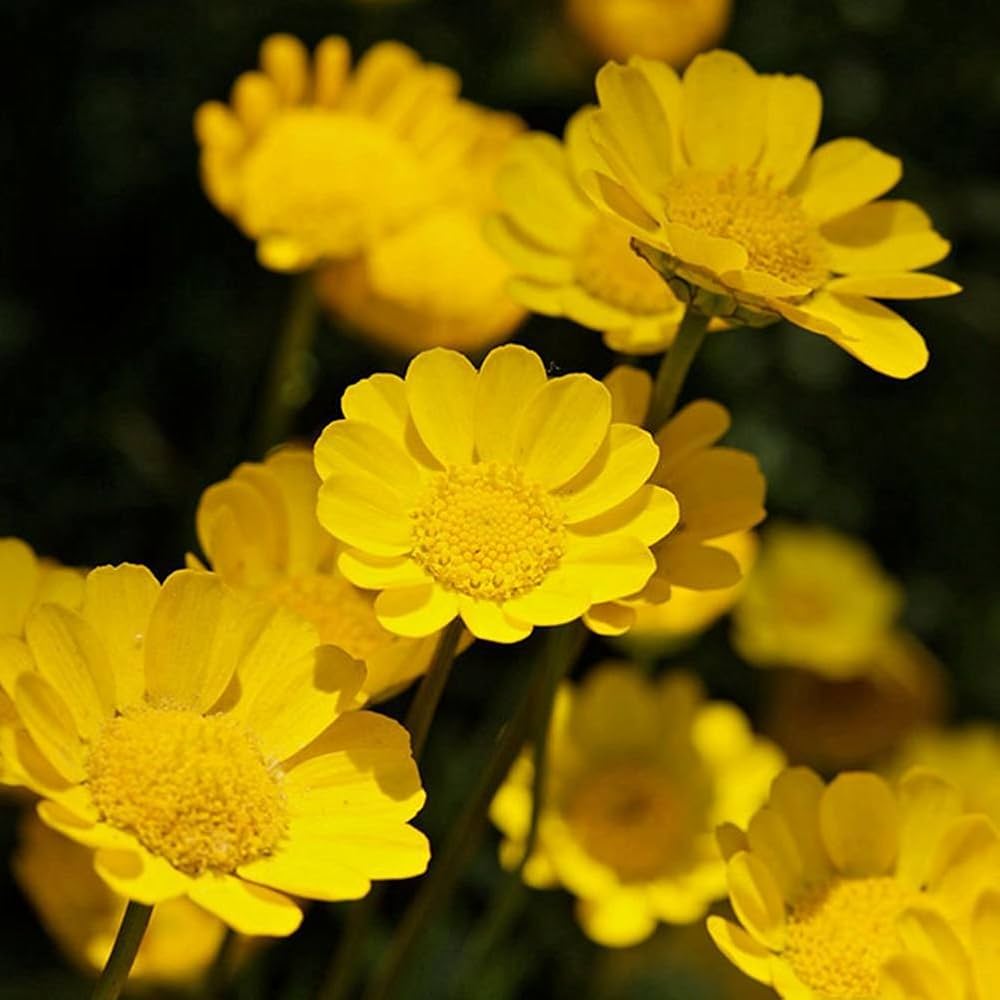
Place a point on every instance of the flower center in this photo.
(778, 236)
(608, 269)
(630, 818)
(487, 532)
(194, 790)
(840, 935)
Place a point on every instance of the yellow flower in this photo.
(82, 914)
(314, 161)
(501, 496)
(671, 30)
(825, 878)
(816, 600)
(259, 531)
(571, 260)
(720, 490)
(640, 773)
(204, 747)
(717, 178)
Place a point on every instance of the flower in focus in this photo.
(716, 177)
(259, 531)
(816, 600)
(203, 747)
(827, 880)
(719, 490)
(83, 915)
(571, 260)
(640, 773)
(501, 496)
(671, 30)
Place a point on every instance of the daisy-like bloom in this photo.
(823, 876)
(639, 774)
(816, 600)
(568, 258)
(259, 531)
(205, 747)
(499, 495)
(717, 178)
(314, 161)
(720, 491)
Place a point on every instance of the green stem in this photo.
(123, 952)
(287, 386)
(674, 368)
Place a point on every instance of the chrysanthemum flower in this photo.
(640, 773)
(816, 600)
(314, 161)
(717, 177)
(259, 531)
(825, 876)
(186, 738)
(499, 495)
(720, 490)
(568, 258)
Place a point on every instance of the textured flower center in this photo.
(632, 819)
(486, 531)
(192, 789)
(608, 269)
(840, 935)
(343, 614)
(778, 236)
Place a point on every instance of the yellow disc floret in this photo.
(194, 790)
(487, 531)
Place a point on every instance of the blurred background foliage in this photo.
(136, 327)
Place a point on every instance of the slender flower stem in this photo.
(287, 386)
(123, 952)
(674, 368)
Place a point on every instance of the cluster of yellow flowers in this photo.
(207, 744)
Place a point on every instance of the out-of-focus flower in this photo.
(499, 495)
(82, 914)
(259, 531)
(716, 177)
(816, 600)
(640, 773)
(206, 747)
(671, 30)
(826, 880)
(571, 260)
(720, 490)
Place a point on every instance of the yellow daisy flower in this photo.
(571, 260)
(204, 748)
(640, 773)
(816, 600)
(501, 496)
(259, 531)
(313, 161)
(716, 176)
(823, 876)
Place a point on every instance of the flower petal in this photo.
(441, 391)
(365, 513)
(757, 899)
(247, 908)
(963, 862)
(617, 921)
(524, 257)
(751, 958)
(137, 874)
(842, 175)
(795, 795)
(416, 611)
(609, 618)
(631, 389)
(859, 823)
(794, 107)
(508, 379)
(927, 806)
(351, 448)
(985, 935)
(487, 620)
(713, 253)
(901, 285)
(51, 724)
(379, 400)
(612, 568)
(647, 515)
(909, 977)
(561, 597)
(20, 573)
(770, 839)
(379, 572)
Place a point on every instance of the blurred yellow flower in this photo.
(640, 773)
(717, 178)
(671, 30)
(826, 879)
(501, 496)
(206, 748)
(571, 260)
(82, 914)
(259, 531)
(816, 600)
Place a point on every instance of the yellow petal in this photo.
(366, 513)
(508, 379)
(441, 392)
(631, 389)
(713, 253)
(731, 840)
(285, 60)
(963, 863)
(378, 572)
(59, 585)
(247, 908)
(295, 477)
(332, 61)
(525, 258)
(794, 107)
(747, 955)
(904, 285)
(696, 426)
(379, 400)
(842, 175)
(611, 568)
(927, 806)
(255, 100)
(486, 620)
(561, 597)
(614, 714)
(757, 899)
(925, 933)
(51, 724)
(416, 611)
(690, 563)
(770, 839)
(350, 448)
(616, 921)
(86, 832)
(859, 823)
(609, 196)
(669, 91)
(310, 877)
(137, 874)
(795, 795)
(647, 515)
(609, 618)
(985, 940)
(15, 659)
(908, 977)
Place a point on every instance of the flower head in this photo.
(499, 495)
(717, 179)
(185, 736)
(640, 772)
